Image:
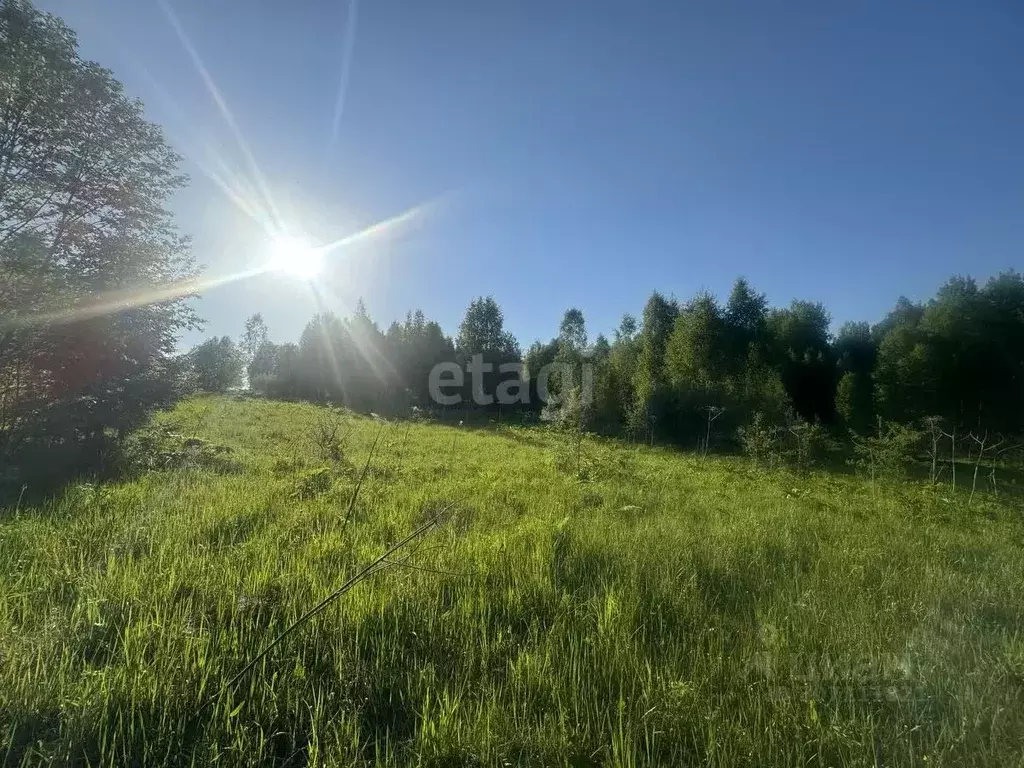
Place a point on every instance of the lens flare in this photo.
(295, 256)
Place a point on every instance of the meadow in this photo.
(575, 605)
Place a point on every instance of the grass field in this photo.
(620, 606)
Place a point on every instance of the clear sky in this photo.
(585, 153)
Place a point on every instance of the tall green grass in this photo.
(659, 610)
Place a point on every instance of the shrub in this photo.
(329, 437)
(800, 444)
(160, 448)
(760, 441)
(890, 453)
(313, 483)
(808, 445)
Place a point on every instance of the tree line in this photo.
(663, 377)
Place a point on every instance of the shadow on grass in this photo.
(31, 492)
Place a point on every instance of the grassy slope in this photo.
(668, 611)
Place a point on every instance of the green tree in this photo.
(650, 407)
(265, 366)
(802, 354)
(572, 332)
(627, 329)
(539, 356)
(482, 332)
(857, 353)
(746, 321)
(217, 364)
(415, 347)
(574, 406)
(960, 356)
(696, 363)
(88, 351)
(255, 337)
(717, 367)
(902, 375)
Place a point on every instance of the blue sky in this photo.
(587, 153)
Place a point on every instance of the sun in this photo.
(295, 256)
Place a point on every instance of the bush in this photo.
(760, 441)
(890, 453)
(808, 445)
(329, 436)
(313, 483)
(799, 444)
(161, 447)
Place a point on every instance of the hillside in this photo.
(607, 605)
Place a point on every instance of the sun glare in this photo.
(295, 256)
